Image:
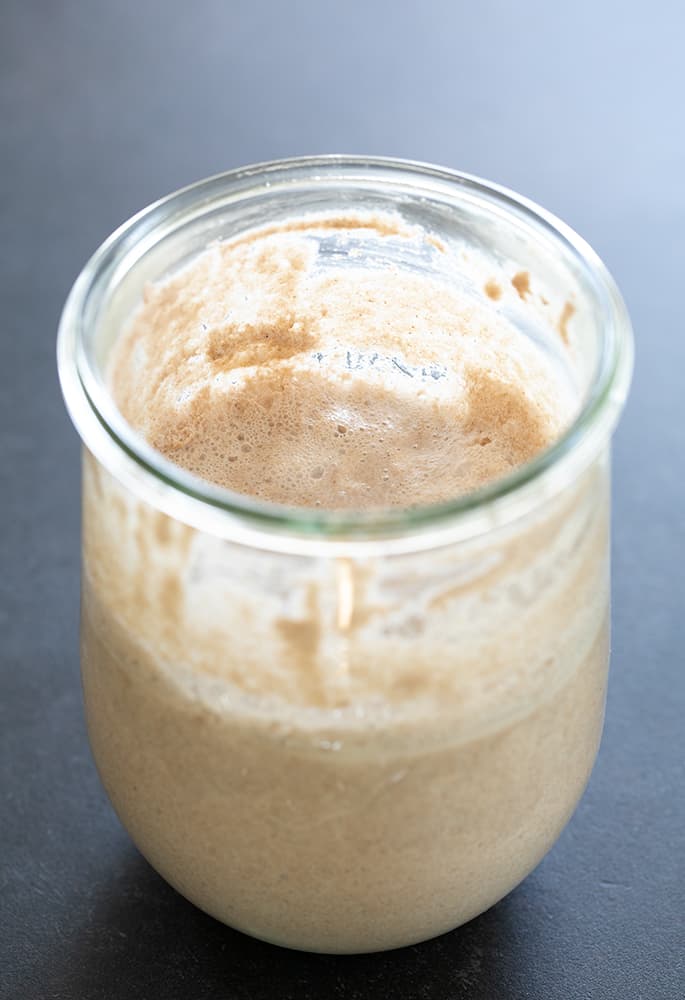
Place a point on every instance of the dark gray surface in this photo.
(106, 106)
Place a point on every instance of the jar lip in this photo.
(179, 493)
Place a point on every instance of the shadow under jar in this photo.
(349, 730)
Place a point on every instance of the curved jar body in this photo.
(347, 732)
(338, 754)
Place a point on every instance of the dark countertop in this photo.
(104, 107)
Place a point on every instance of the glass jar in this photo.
(343, 731)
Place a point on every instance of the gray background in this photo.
(106, 106)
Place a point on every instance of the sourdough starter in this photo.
(341, 754)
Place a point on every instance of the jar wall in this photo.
(344, 754)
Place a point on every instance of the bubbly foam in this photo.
(277, 368)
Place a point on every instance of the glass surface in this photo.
(464, 212)
(347, 731)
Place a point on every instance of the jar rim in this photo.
(231, 515)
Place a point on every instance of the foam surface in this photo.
(276, 368)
